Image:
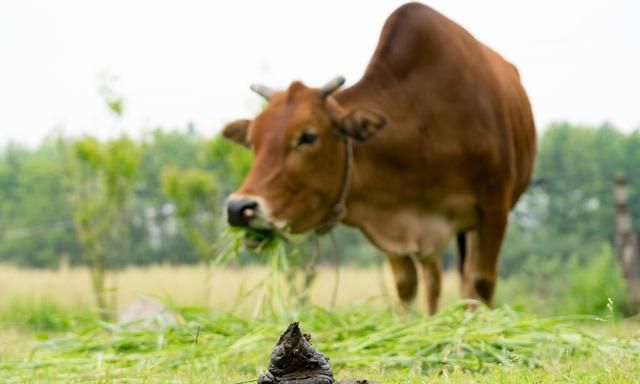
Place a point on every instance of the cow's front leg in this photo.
(405, 276)
(431, 276)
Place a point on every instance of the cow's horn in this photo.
(331, 86)
(262, 90)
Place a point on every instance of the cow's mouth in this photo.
(258, 238)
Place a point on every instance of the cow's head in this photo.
(298, 142)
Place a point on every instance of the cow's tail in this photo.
(461, 242)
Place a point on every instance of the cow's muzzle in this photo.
(252, 214)
(240, 212)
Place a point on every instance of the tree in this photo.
(230, 162)
(35, 215)
(194, 194)
(568, 209)
(103, 180)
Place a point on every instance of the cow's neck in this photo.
(385, 191)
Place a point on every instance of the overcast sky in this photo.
(181, 61)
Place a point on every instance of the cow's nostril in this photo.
(241, 211)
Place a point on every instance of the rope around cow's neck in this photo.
(339, 210)
(337, 213)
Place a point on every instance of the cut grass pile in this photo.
(222, 347)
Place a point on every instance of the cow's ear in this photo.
(236, 131)
(361, 124)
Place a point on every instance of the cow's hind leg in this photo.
(467, 261)
(461, 247)
(406, 277)
(481, 260)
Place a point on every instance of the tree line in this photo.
(159, 199)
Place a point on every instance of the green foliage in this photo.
(578, 286)
(107, 90)
(568, 211)
(102, 177)
(165, 150)
(229, 161)
(35, 213)
(595, 287)
(88, 152)
(194, 194)
(285, 287)
(190, 189)
(565, 217)
(44, 315)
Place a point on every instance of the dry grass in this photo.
(185, 285)
(15, 342)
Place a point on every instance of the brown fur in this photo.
(456, 152)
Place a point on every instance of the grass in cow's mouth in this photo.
(281, 290)
(233, 241)
(259, 239)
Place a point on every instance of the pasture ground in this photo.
(48, 333)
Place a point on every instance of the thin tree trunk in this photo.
(97, 277)
(627, 244)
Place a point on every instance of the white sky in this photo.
(181, 61)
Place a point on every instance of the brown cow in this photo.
(456, 152)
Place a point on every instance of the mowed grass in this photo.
(49, 334)
(214, 347)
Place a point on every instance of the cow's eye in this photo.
(307, 138)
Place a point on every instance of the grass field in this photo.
(49, 333)
(186, 285)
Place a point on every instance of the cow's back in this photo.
(456, 109)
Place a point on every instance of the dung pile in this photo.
(294, 360)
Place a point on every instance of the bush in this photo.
(578, 286)
(43, 315)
